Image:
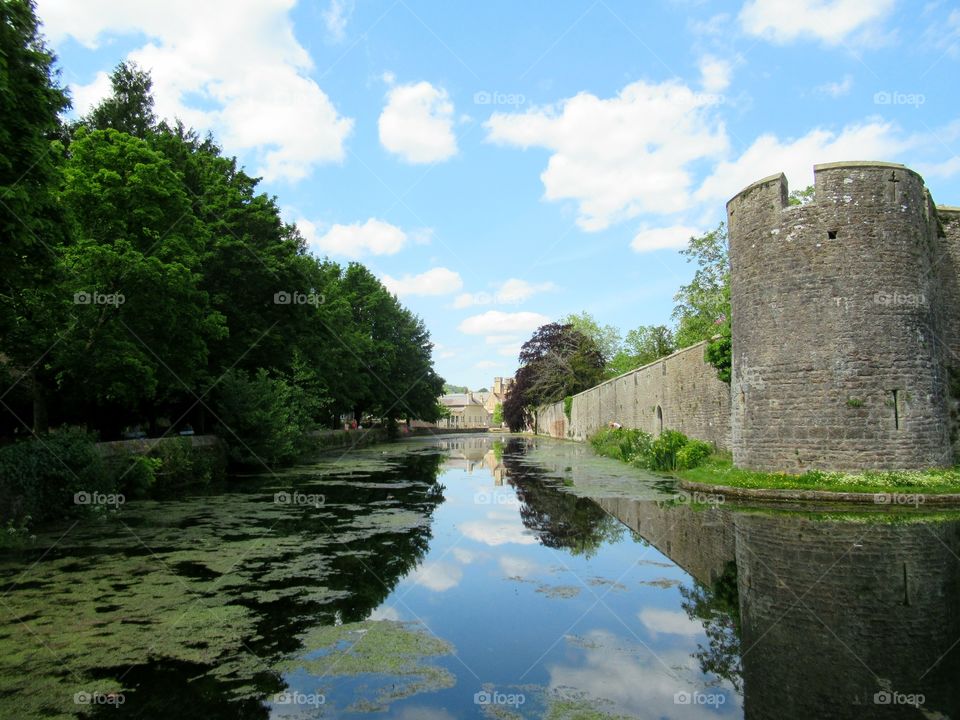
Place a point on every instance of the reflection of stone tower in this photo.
(846, 318)
(831, 612)
(835, 614)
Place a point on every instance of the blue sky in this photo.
(502, 164)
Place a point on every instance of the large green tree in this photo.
(31, 221)
(143, 322)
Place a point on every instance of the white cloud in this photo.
(830, 21)
(795, 158)
(86, 97)
(946, 169)
(374, 237)
(336, 16)
(510, 292)
(486, 364)
(621, 156)
(438, 576)
(417, 123)
(512, 351)
(238, 71)
(436, 281)
(498, 531)
(675, 236)
(837, 89)
(495, 321)
(715, 74)
(671, 622)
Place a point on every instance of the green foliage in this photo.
(568, 407)
(31, 218)
(178, 464)
(40, 477)
(630, 446)
(719, 351)
(557, 361)
(137, 474)
(704, 304)
(802, 197)
(199, 271)
(130, 108)
(664, 450)
(606, 337)
(261, 418)
(671, 451)
(720, 471)
(692, 454)
(498, 414)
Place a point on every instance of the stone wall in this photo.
(678, 392)
(842, 322)
(948, 264)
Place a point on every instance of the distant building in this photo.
(474, 409)
(466, 411)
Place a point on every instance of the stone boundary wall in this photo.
(679, 392)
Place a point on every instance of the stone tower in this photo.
(846, 322)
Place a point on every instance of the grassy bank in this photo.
(719, 470)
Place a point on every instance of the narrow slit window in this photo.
(896, 408)
(831, 234)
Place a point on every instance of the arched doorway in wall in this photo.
(659, 419)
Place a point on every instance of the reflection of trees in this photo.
(718, 608)
(370, 567)
(560, 519)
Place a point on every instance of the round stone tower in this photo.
(840, 333)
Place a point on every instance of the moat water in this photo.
(481, 577)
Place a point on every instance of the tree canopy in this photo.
(145, 274)
(558, 360)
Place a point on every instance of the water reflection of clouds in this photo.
(612, 670)
(437, 576)
(498, 528)
(386, 613)
(514, 566)
(671, 622)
